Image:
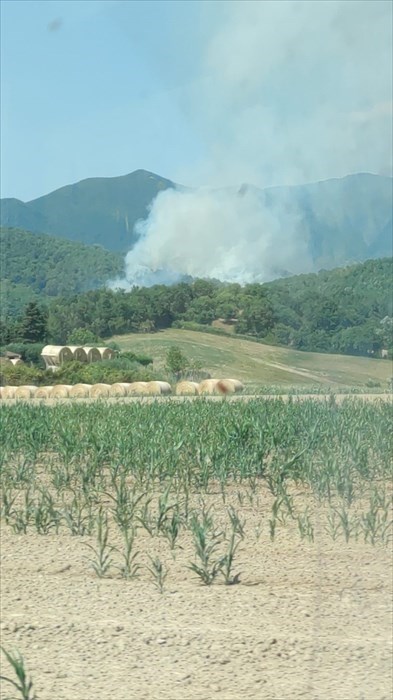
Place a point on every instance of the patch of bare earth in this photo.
(307, 620)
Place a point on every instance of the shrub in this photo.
(372, 384)
(19, 375)
(30, 352)
(144, 360)
(107, 372)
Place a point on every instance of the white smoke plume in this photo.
(285, 92)
(224, 235)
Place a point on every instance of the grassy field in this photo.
(260, 364)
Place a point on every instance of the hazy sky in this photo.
(204, 93)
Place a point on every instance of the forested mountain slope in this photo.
(100, 210)
(341, 220)
(36, 266)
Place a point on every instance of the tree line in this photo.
(347, 310)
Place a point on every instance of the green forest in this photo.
(347, 310)
(35, 266)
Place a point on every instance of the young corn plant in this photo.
(126, 501)
(145, 518)
(237, 524)
(376, 525)
(102, 560)
(227, 560)
(46, 516)
(158, 572)
(78, 516)
(23, 516)
(347, 526)
(164, 509)
(171, 529)
(207, 540)
(276, 518)
(333, 525)
(23, 684)
(305, 526)
(129, 567)
(8, 501)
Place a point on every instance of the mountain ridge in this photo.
(345, 219)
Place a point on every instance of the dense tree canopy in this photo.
(38, 267)
(347, 310)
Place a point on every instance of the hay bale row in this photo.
(56, 355)
(95, 391)
(219, 387)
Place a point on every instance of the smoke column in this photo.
(284, 93)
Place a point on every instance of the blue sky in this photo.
(204, 93)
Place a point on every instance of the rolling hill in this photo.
(259, 364)
(343, 220)
(37, 266)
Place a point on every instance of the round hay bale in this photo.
(164, 387)
(152, 389)
(106, 353)
(16, 361)
(8, 392)
(43, 392)
(93, 354)
(187, 388)
(56, 355)
(79, 354)
(61, 391)
(136, 388)
(25, 392)
(80, 391)
(208, 386)
(226, 386)
(98, 391)
(119, 388)
(238, 385)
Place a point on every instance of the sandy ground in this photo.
(307, 620)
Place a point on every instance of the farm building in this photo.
(11, 355)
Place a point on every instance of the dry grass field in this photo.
(258, 364)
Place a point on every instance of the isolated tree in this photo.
(34, 324)
(176, 362)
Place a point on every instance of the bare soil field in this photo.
(309, 620)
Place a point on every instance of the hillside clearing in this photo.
(257, 363)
